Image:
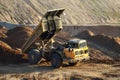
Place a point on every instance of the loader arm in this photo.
(49, 25)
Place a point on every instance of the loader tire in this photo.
(56, 61)
(34, 56)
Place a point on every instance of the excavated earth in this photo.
(111, 44)
(101, 66)
(17, 36)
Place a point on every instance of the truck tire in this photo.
(73, 64)
(34, 56)
(56, 61)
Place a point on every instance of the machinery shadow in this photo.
(23, 68)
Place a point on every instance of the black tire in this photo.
(56, 61)
(73, 64)
(34, 56)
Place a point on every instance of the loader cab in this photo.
(76, 50)
(76, 43)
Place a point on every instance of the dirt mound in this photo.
(117, 40)
(108, 42)
(2, 44)
(9, 55)
(98, 56)
(61, 38)
(85, 34)
(64, 35)
(18, 36)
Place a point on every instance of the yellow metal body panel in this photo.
(76, 53)
(69, 54)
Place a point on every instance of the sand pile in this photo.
(17, 36)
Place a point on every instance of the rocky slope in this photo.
(77, 11)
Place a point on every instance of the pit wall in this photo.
(97, 29)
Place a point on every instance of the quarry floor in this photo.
(44, 71)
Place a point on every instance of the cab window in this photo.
(74, 45)
(82, 45)
(71, 45)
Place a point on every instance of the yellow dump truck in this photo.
(73, 51)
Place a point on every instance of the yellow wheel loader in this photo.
(37, 46)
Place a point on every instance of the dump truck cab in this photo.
(76, 50)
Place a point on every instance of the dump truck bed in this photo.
(49, 25)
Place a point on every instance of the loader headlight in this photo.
(77, 53)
